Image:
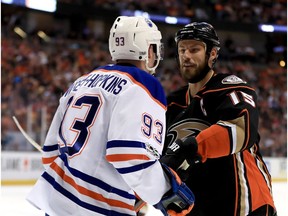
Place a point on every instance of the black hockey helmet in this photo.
(200, 31)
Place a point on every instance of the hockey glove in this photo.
(180, 155)
(179, 200)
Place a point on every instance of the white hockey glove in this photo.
(179, 200)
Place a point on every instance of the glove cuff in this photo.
(191, 145)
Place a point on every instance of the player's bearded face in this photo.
(192, 59)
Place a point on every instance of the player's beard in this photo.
(199, 72)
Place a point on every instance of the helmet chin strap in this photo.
(151, 70)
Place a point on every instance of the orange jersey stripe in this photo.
(125, 157)
(89, 193)
(213, 142)
(48, 160)
(257, 182)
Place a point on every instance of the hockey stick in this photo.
(28, 138)
(138, 204)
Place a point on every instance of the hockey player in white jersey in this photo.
(102, 149)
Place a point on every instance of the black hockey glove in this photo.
(179, 200)
(180, 155)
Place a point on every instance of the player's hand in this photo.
(180, 155)
(183, 213)
(179, 200)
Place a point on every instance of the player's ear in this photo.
(213, 56)
(150, 51)
(151, 55)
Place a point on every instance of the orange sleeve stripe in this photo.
(87, 192)
(213, 142)
(126, 157)
(139, 205)
(48, 160)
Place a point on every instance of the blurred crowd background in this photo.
(43, 53)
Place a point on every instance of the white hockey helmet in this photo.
(130, 38)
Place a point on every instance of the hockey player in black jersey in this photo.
(212, 132)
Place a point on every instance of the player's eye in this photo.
(181, 51)
(194, 50)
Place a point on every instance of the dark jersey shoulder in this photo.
(178, 97)
(176, 103)
(223, 81)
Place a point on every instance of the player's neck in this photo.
(135, 63)
(195, 87)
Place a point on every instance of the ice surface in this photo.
(13, 201)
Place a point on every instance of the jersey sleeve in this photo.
(51, 144)
(50, 148)
(135, 143)
(237, 123)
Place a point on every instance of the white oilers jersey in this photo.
(102, 147)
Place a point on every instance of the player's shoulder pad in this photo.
(221, 82)
(232, 80)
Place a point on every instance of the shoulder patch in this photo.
(232, 79)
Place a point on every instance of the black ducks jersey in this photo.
(232, 179)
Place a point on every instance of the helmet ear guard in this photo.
(200, 31)
(131, 37)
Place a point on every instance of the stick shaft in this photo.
(137, 207)
(28, 138)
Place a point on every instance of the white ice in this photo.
(13, 201)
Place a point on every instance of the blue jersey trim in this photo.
(50, 148)
(79, 202)
(95, 181)
(125, 143)
(136, 167)
(151, 83)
